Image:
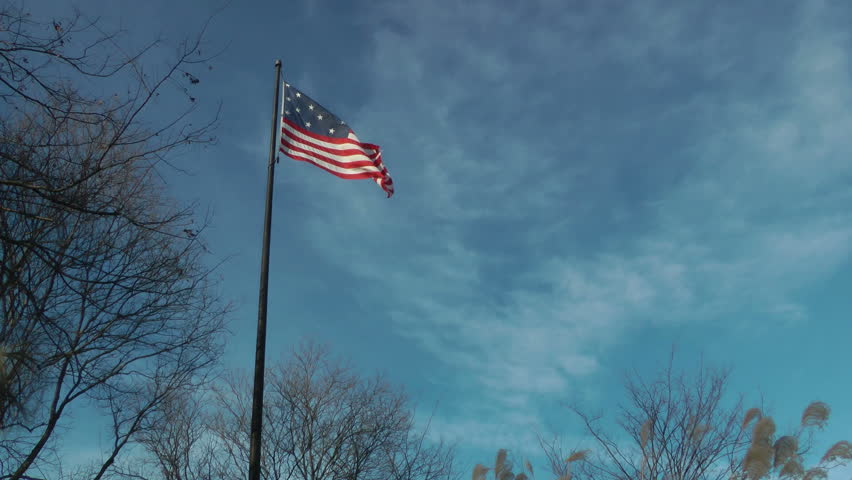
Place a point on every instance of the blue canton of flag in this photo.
(310, 133)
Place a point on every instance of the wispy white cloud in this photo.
(479, 277)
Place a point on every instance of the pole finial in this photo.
(277, 63)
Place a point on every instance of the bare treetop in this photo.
(107, 297)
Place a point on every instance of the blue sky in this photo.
(580, 185)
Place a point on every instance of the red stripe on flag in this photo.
(294, 139)
(333, 156)
(347, 176)
(323, 138)
(329, 159)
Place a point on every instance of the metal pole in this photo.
(260, 348)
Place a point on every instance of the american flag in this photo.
(310, 133)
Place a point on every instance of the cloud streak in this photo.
(539, 228)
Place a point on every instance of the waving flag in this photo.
(310, 133)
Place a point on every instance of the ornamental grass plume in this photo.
(15, 362)
(750, 415)
(577, 456)
(816, 473)
(479, 472)
(816, 415)
(699, 432)
(645, 433)
(785, 449)
(764, 429)
(841, 450)
(792, 469)
(758, 459)
(500, 463)
(529, 467)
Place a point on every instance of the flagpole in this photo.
(260, 347)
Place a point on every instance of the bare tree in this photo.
(416, 459)
(672, 427)
(105, 295)
(557, 454)
(677, 427)
(231, 425)
(178, 439)
(322, 421)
